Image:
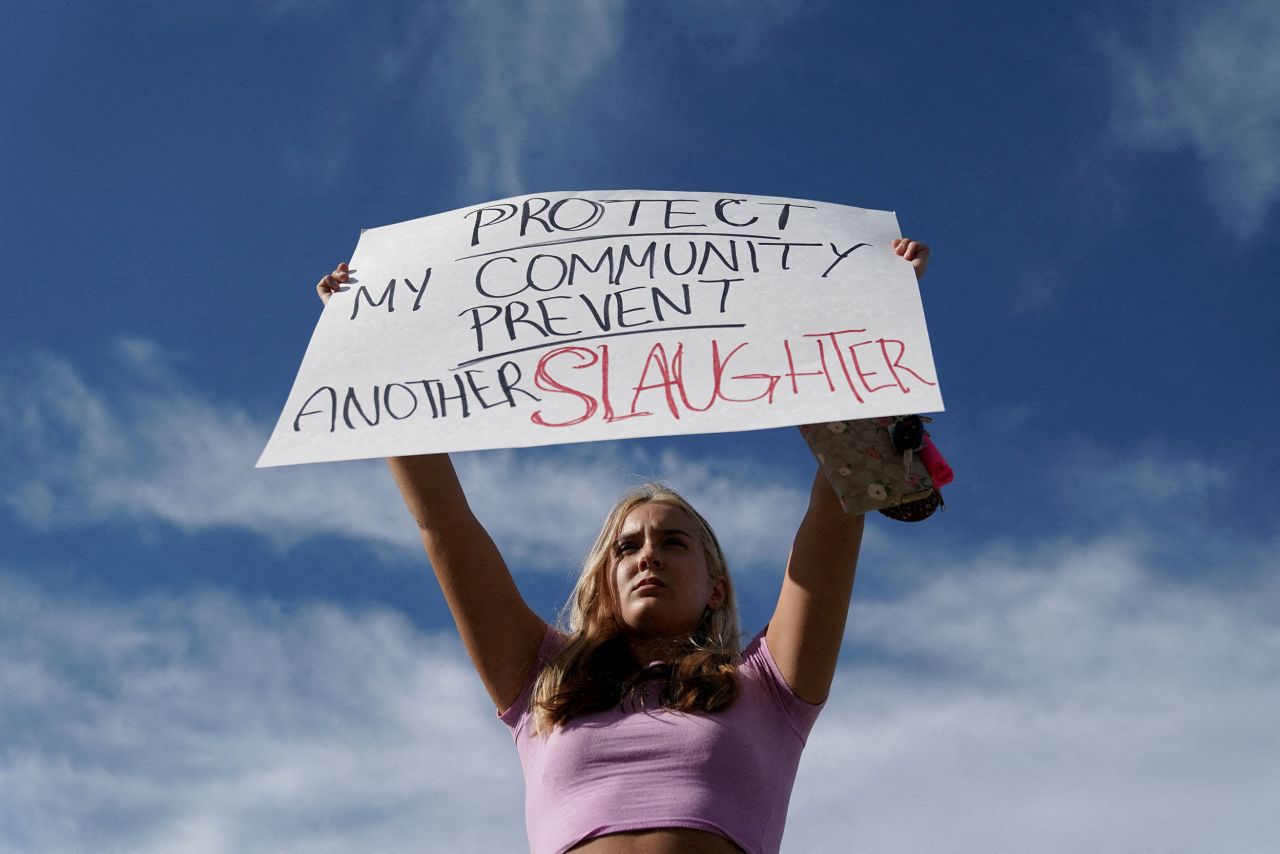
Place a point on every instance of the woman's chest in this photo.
(659, 753)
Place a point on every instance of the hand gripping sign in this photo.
(581, 316)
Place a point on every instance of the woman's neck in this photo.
(644, 651)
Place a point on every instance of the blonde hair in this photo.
(594, 671)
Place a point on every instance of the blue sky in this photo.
(1080, 654)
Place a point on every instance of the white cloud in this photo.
(1060, 701)
(211, 725)
(1205, 78)
(1147, 484)
(513, 81)
(507, 86)
(739, 32)
(147, 449)
(537, 502)
(1063, 701)
(503, 76)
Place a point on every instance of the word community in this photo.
(573, 384)
(522, 303)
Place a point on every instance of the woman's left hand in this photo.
(332, 283)
(914, 251)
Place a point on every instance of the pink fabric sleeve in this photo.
(799, 714)
(552, 643)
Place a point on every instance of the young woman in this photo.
(645, 729)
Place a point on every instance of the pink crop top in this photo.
(729, 772)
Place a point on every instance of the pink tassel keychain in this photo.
(939, 472)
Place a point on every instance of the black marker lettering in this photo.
(480, 286)
(333, 409)
(786, 250)
(671, 211)
(476, 388)
(840, 256)
(693, 259)
(635, 208)
(461, 397)
(504, 212)
(559, 278)
(431, 398)
(659, 295)
(720, 206)
(509, 384)
(646, 258)
(351, 400)
(785, 214)
(527, 214)
(386, 400)
(388, 296)
(601, 317)
(477, 324)
(511, 318)
(426, 277)
(547, 318)
(724, 292)
(596, 210)
(622, 311)
(730, 263)
(576, 261)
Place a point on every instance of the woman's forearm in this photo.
(431, 490)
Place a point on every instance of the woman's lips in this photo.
(648, 583)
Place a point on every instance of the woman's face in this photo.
(660, 576)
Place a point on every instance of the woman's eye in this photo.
(624, 548)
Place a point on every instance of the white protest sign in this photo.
(581, 316)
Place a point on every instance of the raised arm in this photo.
(500, 631)
(807, 628)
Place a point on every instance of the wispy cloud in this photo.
(511, 81)
(1055, 700)
(1205, 78)
(738, 32)
(211, 725)
(1061, 700)
(147, 448)
(496, 90)
(504, 77)
(1146, 485)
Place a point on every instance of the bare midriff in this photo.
(668, 840)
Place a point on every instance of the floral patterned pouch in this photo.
(860, 463)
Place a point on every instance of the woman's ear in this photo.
(717, 597)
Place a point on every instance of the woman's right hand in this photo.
(914, 251)
(332, 283)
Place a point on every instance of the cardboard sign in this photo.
(581, 316)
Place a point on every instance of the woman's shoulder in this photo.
(758, 668)
(553, 642)
(756, 656)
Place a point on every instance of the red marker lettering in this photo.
(543, 380)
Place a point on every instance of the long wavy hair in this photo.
(595, 672)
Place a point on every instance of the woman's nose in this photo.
(649, 556)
